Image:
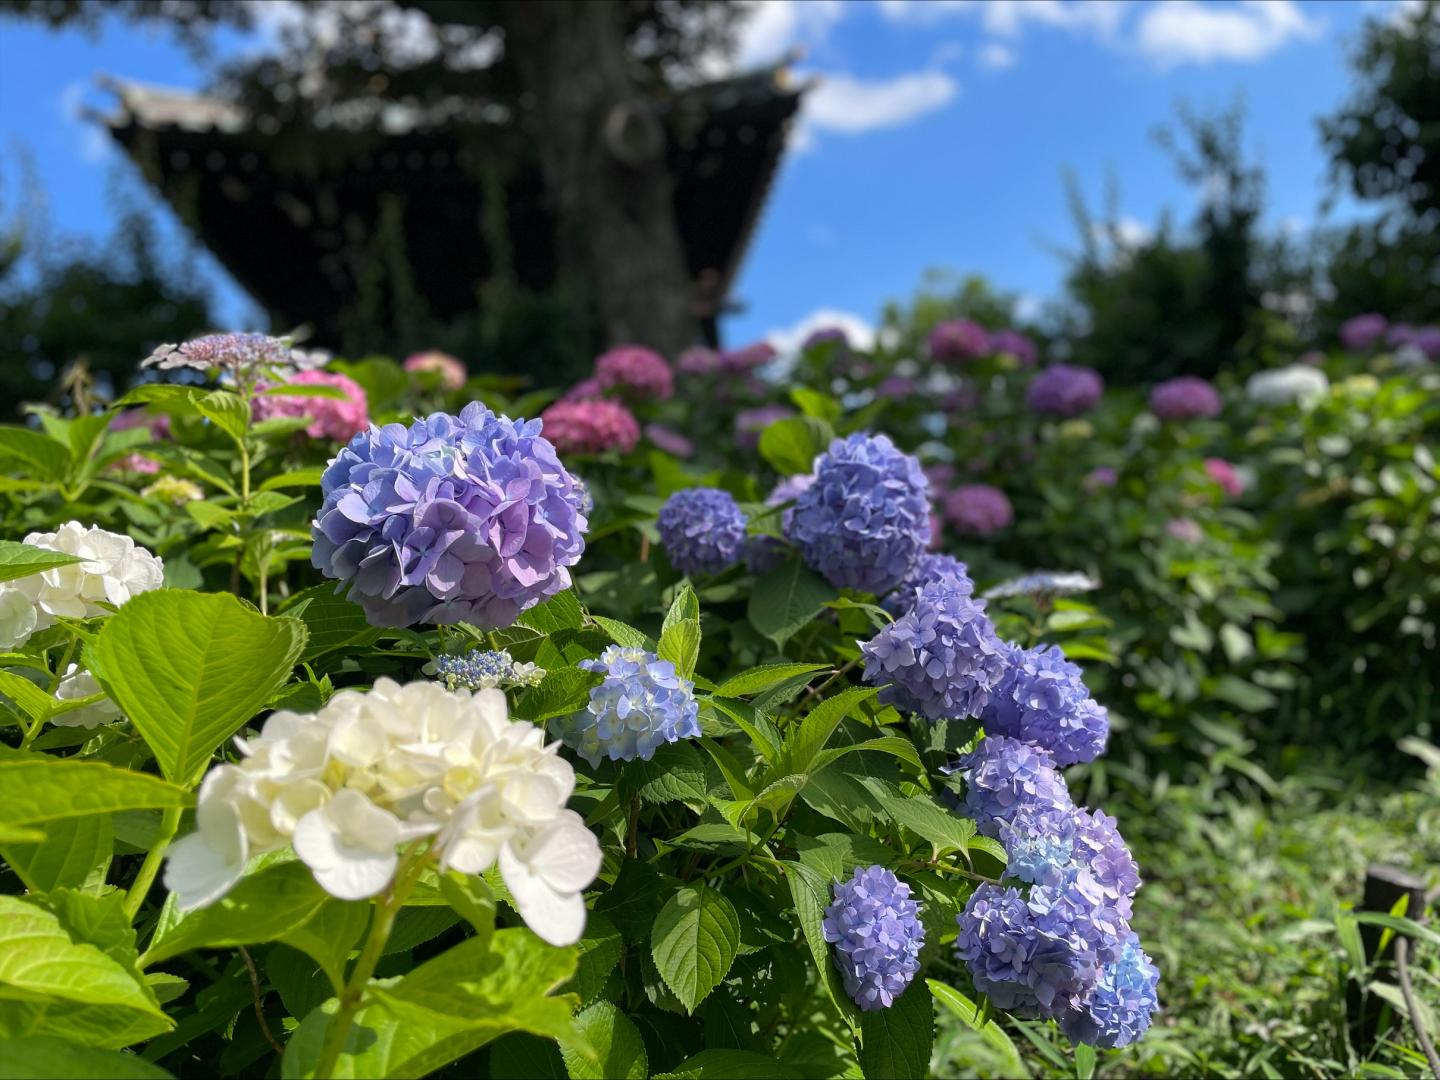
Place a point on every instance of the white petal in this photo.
(360, 875)
(566, 855)
(201, 868)
(556, 917)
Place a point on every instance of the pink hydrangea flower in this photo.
(587, 389)
(747, 357)
(1224, 474)
(672, 442)
(698, 360)
(340, 419)
(978, 509)
(136, 463)
(637, 371)
(1184, 529)
(958, 339)
(590, 427)
(451, 371)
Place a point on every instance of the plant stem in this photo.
(818, 690)
(151, 866)
(35, 727)
(353, 996)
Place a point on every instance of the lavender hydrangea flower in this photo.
(977, 510)
(1184, 398)
(942, 657)
(765, 553)
(877, 934)
(1002, 775)
(237, 353)
(698, 360)
(750, 424)
(642, 704)
(471, 518)
(1118, 1011)
(932, 566)
(866, 518)
(1065, 390)
(1049, 846)
(958, 339)
(1362, 331)
(1041, 699)
(1011, 342)
(702, 530)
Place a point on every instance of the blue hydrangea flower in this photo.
(702, 530)
(1042, 699)
(642, 703)
(875, 928)
(482, 669)
(765, 553)
(1118, 1010)
(1049, 846)
(942, 657)
(468, 518)
(866, 518)
(1003, 775)
(932, 566)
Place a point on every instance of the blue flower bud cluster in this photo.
(483, 669)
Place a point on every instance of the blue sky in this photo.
(936, 136)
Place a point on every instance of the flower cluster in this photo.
(1421, 340)
(240, 354)
(1290, 385)
(1102, 476)
(866, 518)
(958, 339)
(390, 767)
(591, 427)
(670, 440)
(932, 566)
(747, 358)
(977, 510)
(114, 568)
(1360, 332)
(941, 658)
(470, 518)
(826, 335)
(1043, 583)
(1184, 398)
(174, 489)
(635, 371)
(641, 704)
(1003, 774)
(876, 930)
(1041, 699)
(765, 553)
(482, 669)
(702, 530)
(1225, 474)
(340, 419)
(750, 423)
(1065, 390)
(1050, 846)
(449, 370)
(1008, 342)
(1117, 1012)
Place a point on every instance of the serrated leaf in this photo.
(71, 850)
(618, 1047)
(757, 680)
(811, 894)
(561, 612)
(790, 446)
(296, 478)
(785, 600)
(623, 634)
(562, 692)
(809, 738)
(924, 817)
(44, 457)
(896, 1042)
(39, 788)
(680, 644)
(329, 935)
(22, 560)
(599, 953)
(332, 621)
(893, 745)
(675, 774)
(694, 941)
(34, 702)
(47, 1057)
(189, 669)
(226, 410)
(685, 607)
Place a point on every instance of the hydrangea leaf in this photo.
(44, 458)
(896, 1042)
(21, 560)
(757, 680)
(990, 1031)
(71, 850)
(39, 788)
(811, 893)
(47, 1057)
(694, 941)
(730, 1065)
(790, 446)
(618, 1046)
(785, 600)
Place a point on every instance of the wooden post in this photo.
(1384, 888)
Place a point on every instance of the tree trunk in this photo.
(602, 153)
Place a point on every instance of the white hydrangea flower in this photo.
(373, 771)
(78, 683)
(18, 618)
(1288, 385)
(1043, 583)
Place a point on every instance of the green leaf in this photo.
(757, 680)
(684, 608)
(561, 692)
(444, 1009)
(71, 849)
(924, 817)
(809, 738)
(1084, 1061)
(675, 774)
(623, 634)
(471, 899)
(617, 1043)
(599, 953)
(680, 644)
(1243, 694)
(755, 723)
(332, 621)
(321, 390)
(226, 410)
(790, 446)
(45, 1057)
(44, 971)
(730, 1065)
(992, 1032)
(814, 403)
(811, 893)
(893, 745)
(329, 935)
(561, 612)
(189, 669)
(896, 1042)
(46, 458)
(785, 600)
(267, 905)
(33, 701)
(22, 560)
(639, 889)
(39, 788)
(298, 478)
(694, 941)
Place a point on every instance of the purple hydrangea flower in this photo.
(977, 510)
(826, 335)
(1002, 775)
(932, 566)
(1102, 476)
(765, 553)
(877, 934)
(866, 518)
(747, 357)
(1041, 699)
(1050, 846)
(636, 370)
(698, 360)
(895, 388)
(1065, 390)
(958, 339)
(750, 423)
(641, 704)
(471, 518)
(239, 353)
(1185, 398)
(702, 530)
(669, 440)
(941, 658)
(1014, 343)
(1118, 1011)
(1362, 331)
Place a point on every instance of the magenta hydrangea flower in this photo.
(451, 372)
(1187, 397)
(1065, 390)
(958, 339)
(591, 427)
(669, 440)
(340, 419)
(1013, 343)
(747, 358)
(698, 360)
(749, 423)
(1360, 332)
(977, 510)
(635, 371)
(1224, 474)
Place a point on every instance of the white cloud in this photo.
(1119, 239)
(1008, 18)
(787, 340)
(846, 104)
(996, 57)
(1190, 32)
(767, 28)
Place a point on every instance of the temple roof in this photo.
(296, 215)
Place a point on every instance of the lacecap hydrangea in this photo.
(471, 518)
(702, 530)
(1041, 699)
(395, 765)
(876, 930)
(482, 669)
(941, 658)
(1001, 775)
(641, 704)
(866, 518)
